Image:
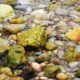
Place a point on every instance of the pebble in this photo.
(36, 66)
(13, 37)
(43, 65)
(77, 49)
(41, 74)
(39, 12)
(59, 43)
(62, 76)
(62, 12)
(73, 65)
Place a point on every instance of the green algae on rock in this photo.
(45, 56)
(51, 70)
(53, 7)
(6, 70)
(70, 2)
(6, 11)
(72, 56)
(16, 55)
(4, 45)
(50, 46)
(34, 37)
(10, 2)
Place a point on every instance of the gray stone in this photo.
(61, 12)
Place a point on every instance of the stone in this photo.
(73, 34)
(13, 37)
(10, 2)
(71, 56)
(50, 46)
(45, 57)
(13, 28)
(4, 45)
(62, 76)
(73, 65)
(53, 7)
(51, 70)
(62, 12)
(43, 78)
(6, 11)
(34, 37)
(6, 70)
(35, 66)
(16, 55)
(78, 73)
(77, 49)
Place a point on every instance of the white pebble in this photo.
(36, 66)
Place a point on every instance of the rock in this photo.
(18, 20)
(77, 19)
(13, 37)
(6, 11)
(16, 56)
(16, 78)
(4, 45)
(3, 76)
(39, 14)
(10, 2)
(76, 78)
(40, 74)
(55, 61)
(6, 70)
(35, 66)
(34, 37)
(78, 73)
(50, 15)
(70, 2)
(49, 30)
(59, 43)
(51, 70)
(50, 46)
(1, 27)
(62, 24)
(43, 78)
(13, 28)
(62, 76)
(53, 7)
(73, 65)
(71, 56)
(23, 1)
(45, 57)
(61, 12)
(43, 65)
(38, 53)
(77, 49)
(73, 34)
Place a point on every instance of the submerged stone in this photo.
(52, 7)
(51, 70)
(34, 37)
(16, 55)
(6, 11)
(4, 45)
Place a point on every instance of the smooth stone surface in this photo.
(61, 12)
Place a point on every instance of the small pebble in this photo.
(62, 76)
(73, 65)
(43, 78)
(36, 66)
